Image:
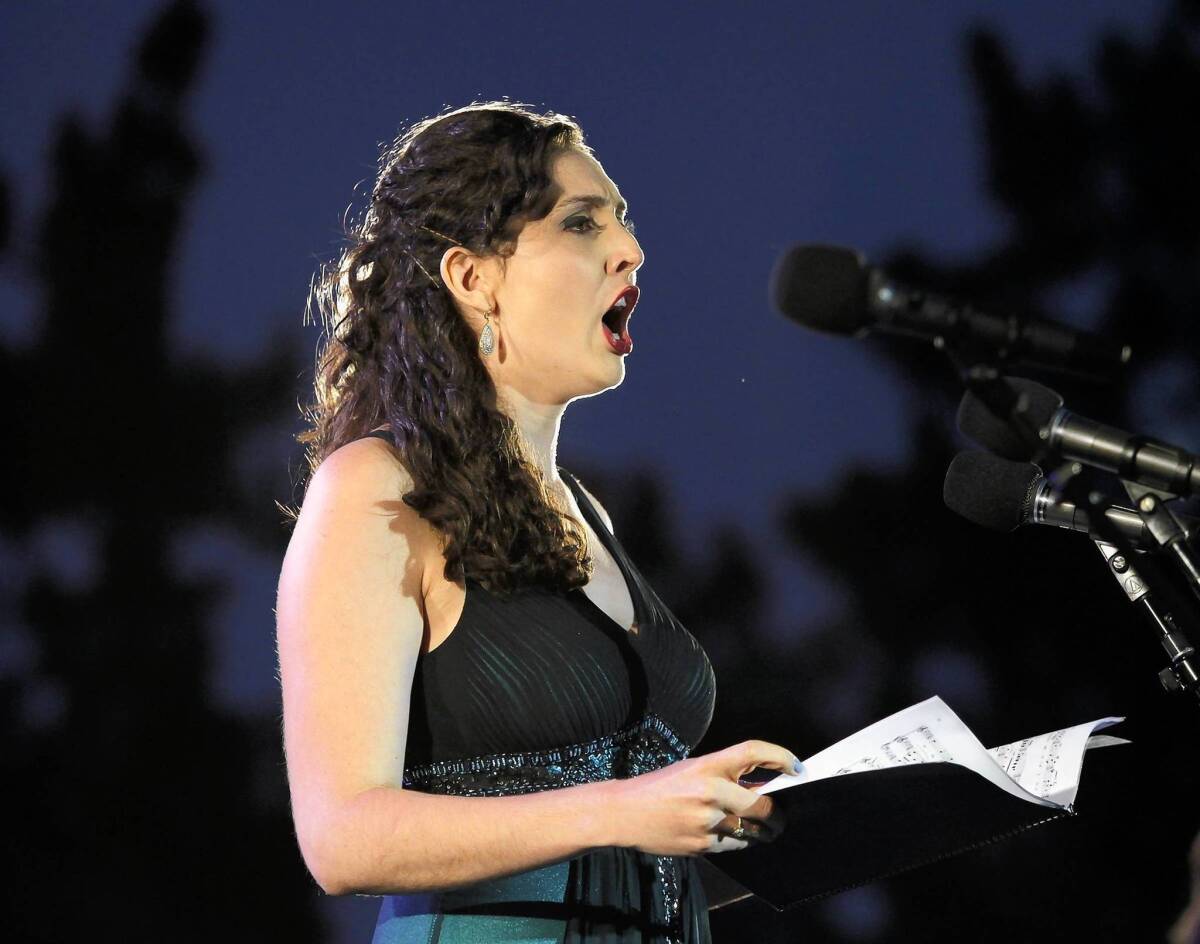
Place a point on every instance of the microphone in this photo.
(831, 289)
(1152, 463)
(1001, 495)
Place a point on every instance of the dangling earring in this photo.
(487, 339)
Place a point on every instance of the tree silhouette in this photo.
(141, 810)
(1025, 631)
(145, 810)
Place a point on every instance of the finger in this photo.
(727, 844)
(762, 817)
(755, 782)
(741, 801)
(763, 807)
(752, 829)
(744, 757)
(776, 821)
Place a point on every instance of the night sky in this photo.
(732, 132)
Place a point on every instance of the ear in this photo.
(471, 281)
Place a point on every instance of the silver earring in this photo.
(487, 339)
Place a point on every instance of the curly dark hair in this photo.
(396, 349)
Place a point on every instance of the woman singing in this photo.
(487, 710)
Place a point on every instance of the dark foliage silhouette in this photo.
(136, 808)
(142, 808)
(1025, 632)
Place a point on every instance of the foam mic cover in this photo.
(1001, 434)
(822, 287)
(992, 492)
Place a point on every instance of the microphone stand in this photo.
(1166, 529)
(986, 381)
(1181, 673)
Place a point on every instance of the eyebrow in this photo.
(594, 200)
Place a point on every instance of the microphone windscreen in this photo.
(821, 287)
(1036, 406)
(992, 492)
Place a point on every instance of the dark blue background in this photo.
(732, 132)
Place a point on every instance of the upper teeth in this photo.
(620, 302)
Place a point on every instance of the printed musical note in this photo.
(1043, 769)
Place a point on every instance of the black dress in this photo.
(540, 691)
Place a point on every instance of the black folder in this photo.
(856, 828)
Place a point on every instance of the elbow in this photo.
(349, 852)
(326, 864)
(342, 881)
(360, 881)
(342, 853)
(337, 879)
(329, 887)
(329, 879)
(344, 869)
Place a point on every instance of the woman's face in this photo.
(566, 272)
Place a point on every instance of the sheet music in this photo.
(1043, 769)
(1048, 765)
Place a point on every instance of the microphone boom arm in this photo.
(1180, 675)
(1166, 530)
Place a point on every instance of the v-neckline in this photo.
(601, 531)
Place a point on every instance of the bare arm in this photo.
(349, 627)
(400, 841)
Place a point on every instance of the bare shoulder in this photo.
(600, 508)
(362, 464)
(356, 493)
(355, 541)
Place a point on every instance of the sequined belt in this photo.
(648, 745)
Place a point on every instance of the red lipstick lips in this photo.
(615, 321)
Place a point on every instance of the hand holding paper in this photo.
(1043, 769)
(904, 792)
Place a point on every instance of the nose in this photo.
(626, 255)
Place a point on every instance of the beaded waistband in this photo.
(648, 745)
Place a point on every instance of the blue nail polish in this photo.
(797, 766)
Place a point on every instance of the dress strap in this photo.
(642, 607)
(588, 509)
(607, 538)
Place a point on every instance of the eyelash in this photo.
(628, 224)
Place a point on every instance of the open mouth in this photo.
(616, 320)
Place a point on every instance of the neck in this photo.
(538, 424)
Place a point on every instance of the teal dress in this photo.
(540, 691)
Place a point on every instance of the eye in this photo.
(583, 224)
